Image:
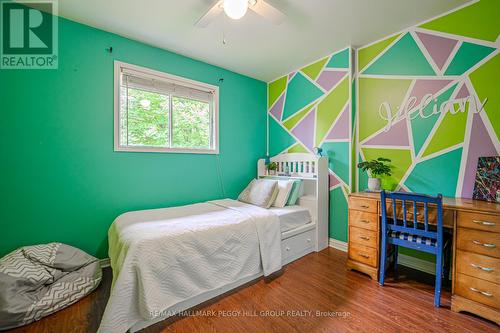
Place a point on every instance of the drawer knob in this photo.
(364, 255)
(365, 221)
(287, 248)
(485, 223)
(485, 293)
(364, 237)
(488, 245)
(365, 206)
(308, 240)
(486, 269)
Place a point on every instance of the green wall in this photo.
(61, 179)
(311, 107)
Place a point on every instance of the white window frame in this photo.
(118, 66)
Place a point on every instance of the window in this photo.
(159, 112)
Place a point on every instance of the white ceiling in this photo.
(255, 47)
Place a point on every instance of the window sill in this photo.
(167, 150)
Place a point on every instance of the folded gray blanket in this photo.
(38, 280)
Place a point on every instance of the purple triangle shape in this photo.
(332, 180)
(438, 47)
(463, 92)
(423, 87)
(328, 79)
(341, 128)
(304, 130)
(480, 145)
(396, 136)
(277, 108)
(291, 75)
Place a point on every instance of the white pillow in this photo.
(284, 187)
(260, 192)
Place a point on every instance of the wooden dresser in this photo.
(476, 248)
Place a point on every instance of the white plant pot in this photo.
(374, 184)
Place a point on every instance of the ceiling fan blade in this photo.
(268, 12)
(210, 15)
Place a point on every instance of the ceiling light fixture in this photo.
(235, 9)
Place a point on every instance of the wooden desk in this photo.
(476, 247)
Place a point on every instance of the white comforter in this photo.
(162, 257)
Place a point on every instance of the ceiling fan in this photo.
(236, 9)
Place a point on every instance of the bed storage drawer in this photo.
(296, 246)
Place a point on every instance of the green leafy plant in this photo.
(377, 167)
(272, 166)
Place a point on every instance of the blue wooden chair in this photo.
(412, 234)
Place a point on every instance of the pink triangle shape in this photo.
(291, 75)
(277, 108)
(438, 47)
(480, 145)
(423, 87)
(304, 130)
(328, 79)
(396, 136)
(332, 180)
(463, 92)
(341, 128)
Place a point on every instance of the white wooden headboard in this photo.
(313, 170)
(298, 165)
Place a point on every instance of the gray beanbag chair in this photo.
(38, 280)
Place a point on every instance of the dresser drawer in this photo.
(296, 245)
(478, 265)
(477, 221)
(363, 237)
(481, 242)
(363, 220)
(364, 254)
(365, 205)
(478, 290)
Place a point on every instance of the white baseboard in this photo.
(408, 261)
(418, 264)
(337, 244)
(104, 262)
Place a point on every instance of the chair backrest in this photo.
(401, 223)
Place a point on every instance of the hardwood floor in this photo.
(339, 301)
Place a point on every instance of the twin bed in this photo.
(168, 260)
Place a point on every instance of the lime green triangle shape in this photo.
(297, 148)
(479, 20)
(400, 162)
(313, 70)
(372, 93)
(290, 122)
(450, 132)
(367, 54)
(274, 90)
(484, 79)
(329, 108)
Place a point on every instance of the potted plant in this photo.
(376, 168)
(271, 168)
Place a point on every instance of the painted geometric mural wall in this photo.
(433, 79)
(311, 107)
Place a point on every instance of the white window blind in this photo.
(159, 112)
